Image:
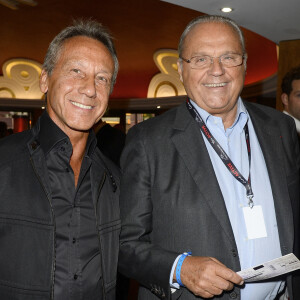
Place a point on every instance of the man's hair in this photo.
(289, 77)
(211, 19)
(88, 28)
(3, 129)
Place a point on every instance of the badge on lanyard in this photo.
(255, 222)
(253, 214)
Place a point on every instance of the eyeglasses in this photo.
(204, 61)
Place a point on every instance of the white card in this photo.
(255, 223)
(282, 265)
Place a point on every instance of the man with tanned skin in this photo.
(59, 207)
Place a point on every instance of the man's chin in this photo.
(80, 129)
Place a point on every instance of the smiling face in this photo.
(79, 86)
(215, 89)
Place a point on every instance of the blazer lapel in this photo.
(39, 166)
(270, 142)
(190, 145)
(98, 177)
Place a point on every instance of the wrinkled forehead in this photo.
(212, 33)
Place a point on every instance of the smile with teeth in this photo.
(215, 84)
(81, 105)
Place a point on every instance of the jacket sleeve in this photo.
(140, 258)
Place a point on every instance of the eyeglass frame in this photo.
(244, 56)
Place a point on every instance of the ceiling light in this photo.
(226, 9)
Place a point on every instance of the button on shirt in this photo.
(77, 255)
(251, 252)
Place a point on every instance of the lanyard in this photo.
(222, 154)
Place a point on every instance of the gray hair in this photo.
(87, 28)
(211, 19)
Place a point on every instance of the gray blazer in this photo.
(171, 201)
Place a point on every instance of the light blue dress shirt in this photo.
(252, 252)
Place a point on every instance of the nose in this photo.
(216, 67)
(87, 87)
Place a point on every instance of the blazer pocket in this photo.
(25, 254)
(109, 240)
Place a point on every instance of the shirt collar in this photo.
(91, 143)
(240, 120)
(242, 116)
(296, 121)
(50, 135)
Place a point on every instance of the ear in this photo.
(179, 67)
(245, 62)
(44, 82)
(285, 99)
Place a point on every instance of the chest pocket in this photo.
(25, 257)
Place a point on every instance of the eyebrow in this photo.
(104, 71)
(205, 53)
(80, 63)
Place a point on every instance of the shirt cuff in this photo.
(174, 285)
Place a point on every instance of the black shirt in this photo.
(111, 142)
(77, 266)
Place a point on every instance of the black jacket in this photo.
(27, 225)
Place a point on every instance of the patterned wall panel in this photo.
(20, 79)
(167, 82)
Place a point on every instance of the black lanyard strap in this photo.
(223, 155)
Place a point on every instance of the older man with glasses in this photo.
(212, 186)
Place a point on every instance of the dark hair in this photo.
(211, 19)
(289, 77)
(88, 28)
(3, 129)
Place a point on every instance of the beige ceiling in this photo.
(276, 20)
